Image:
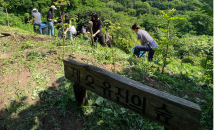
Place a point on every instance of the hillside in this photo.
(34, 94)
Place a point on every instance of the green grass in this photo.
(55, 105)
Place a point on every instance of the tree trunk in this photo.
(7, 16)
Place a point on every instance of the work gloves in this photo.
(55, 20)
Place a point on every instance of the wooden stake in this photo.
(91, 35)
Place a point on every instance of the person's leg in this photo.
(49, 28)
(52, 29)
(60, 32)
(74, 37)
(101, 40)
(151, 54)
(86, 38)
(69, 33)
(40, 29)
(109, 43)
(137, 49)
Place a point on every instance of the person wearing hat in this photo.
(85, 36)
(96, 24)
(37, 20)
(50, 20)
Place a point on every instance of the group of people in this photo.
(148, 44)
(64, 18)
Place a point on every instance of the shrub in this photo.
(188, 60)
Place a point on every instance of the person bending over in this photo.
(85, 36)
(147, 42)
(96, 24)
(67, 28)
(37, 20)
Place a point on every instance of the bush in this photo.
(188, 60)
(13, 20)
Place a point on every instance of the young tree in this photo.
(59, 4)
(6, 6)
(166, 40)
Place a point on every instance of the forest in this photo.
(182, 66)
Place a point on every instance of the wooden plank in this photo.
(165, 109)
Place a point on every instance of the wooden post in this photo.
(80, 94)
(92, 37)
(91, 24)
(7, 16)
(165, 128)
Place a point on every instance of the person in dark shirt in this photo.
(147, 42)
(50, 20)
(96, 28)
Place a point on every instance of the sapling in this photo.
(60, 3)
(112, 29)
(168, 18)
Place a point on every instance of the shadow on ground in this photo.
(55, 109)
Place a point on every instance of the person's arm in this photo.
(84, 32)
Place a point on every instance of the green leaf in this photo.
(108, 111)
(99, 101)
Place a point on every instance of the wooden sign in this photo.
(165, 109)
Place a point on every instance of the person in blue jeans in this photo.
(147, 42)
(37, 20)
(50, 20)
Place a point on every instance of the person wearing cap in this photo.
(96, 24)
(37, 20)
(50, 20)
(85, 36)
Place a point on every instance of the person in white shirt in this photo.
(69, 30)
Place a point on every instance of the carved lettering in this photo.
(90, 83)
(76, 74)
(107, 87)
(162, 112)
